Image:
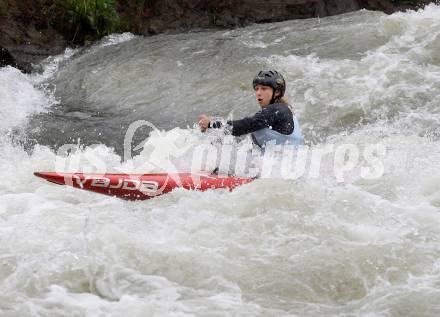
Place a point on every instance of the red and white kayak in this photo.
(142, 186)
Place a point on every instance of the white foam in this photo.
(19, 98)
(114, 39)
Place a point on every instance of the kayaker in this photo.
(274, 122)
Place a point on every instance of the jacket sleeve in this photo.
(267, 117)
(262, 119)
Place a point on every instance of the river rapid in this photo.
(324, 244)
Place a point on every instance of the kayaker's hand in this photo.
(204, 121)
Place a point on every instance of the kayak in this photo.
(142, 186)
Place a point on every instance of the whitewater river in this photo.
(329, 243)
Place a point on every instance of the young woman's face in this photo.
(263, 94)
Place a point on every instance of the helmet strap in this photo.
(273, 99)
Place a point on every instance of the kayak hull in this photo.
(142, 186)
